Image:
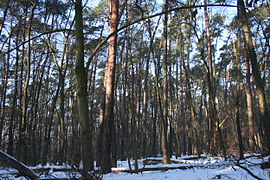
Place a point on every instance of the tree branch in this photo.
(145, 18)
(35, 37)
(249, 172)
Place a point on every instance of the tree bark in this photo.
(4, 93)
(238, 97)
(210, 75)
(213, 114)
(164, 123)
(11, 130)
(259, 82)
(109, 90)
(250, 112)
(82, 94)
(22, 138)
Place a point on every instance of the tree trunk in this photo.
(82, 94)
(250, 112)
(48, 127)
(260, 85)
(195, 127)
(23, 139)
(238, 96)
(62, 139)
(153, 149)
(210, 75)
(109, 90)
(213, 115)
(4, 93)
(194, 123)
(14, 163)
(10, 147)
(164, 123)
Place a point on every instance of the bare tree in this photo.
(260, 85)
(82, 94)
(109, 89)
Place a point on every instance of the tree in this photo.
(82, 94)
(108, 122)
(214, 121)
(164, 80)
(238, 96)
(260, 85)
(14, 163)
(24, 123)
(250, 111)
(164, 123)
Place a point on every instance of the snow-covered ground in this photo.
(202, 169)
(192, 174)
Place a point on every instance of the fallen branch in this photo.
(169, 168)
(249, 172)
(14, 163)
(152, 161)
(151, 169)
(116, 170)
(55, 169)
(195, 157)
(157, 161)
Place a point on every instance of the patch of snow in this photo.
(204, 168)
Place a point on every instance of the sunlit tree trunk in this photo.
(23, 153)
(24, 105)
(259, 82)
(250, 112)
(109, 90)
(164, 123)
(238, 95)
(213, 115)
(210, 75)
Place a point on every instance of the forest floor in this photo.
(253, 166)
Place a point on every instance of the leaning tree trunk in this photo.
(14, 163)
(81, 90)
(264, 111)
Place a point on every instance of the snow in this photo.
(193, 174)
(170, 175)
(203, 169)
(214, 168)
